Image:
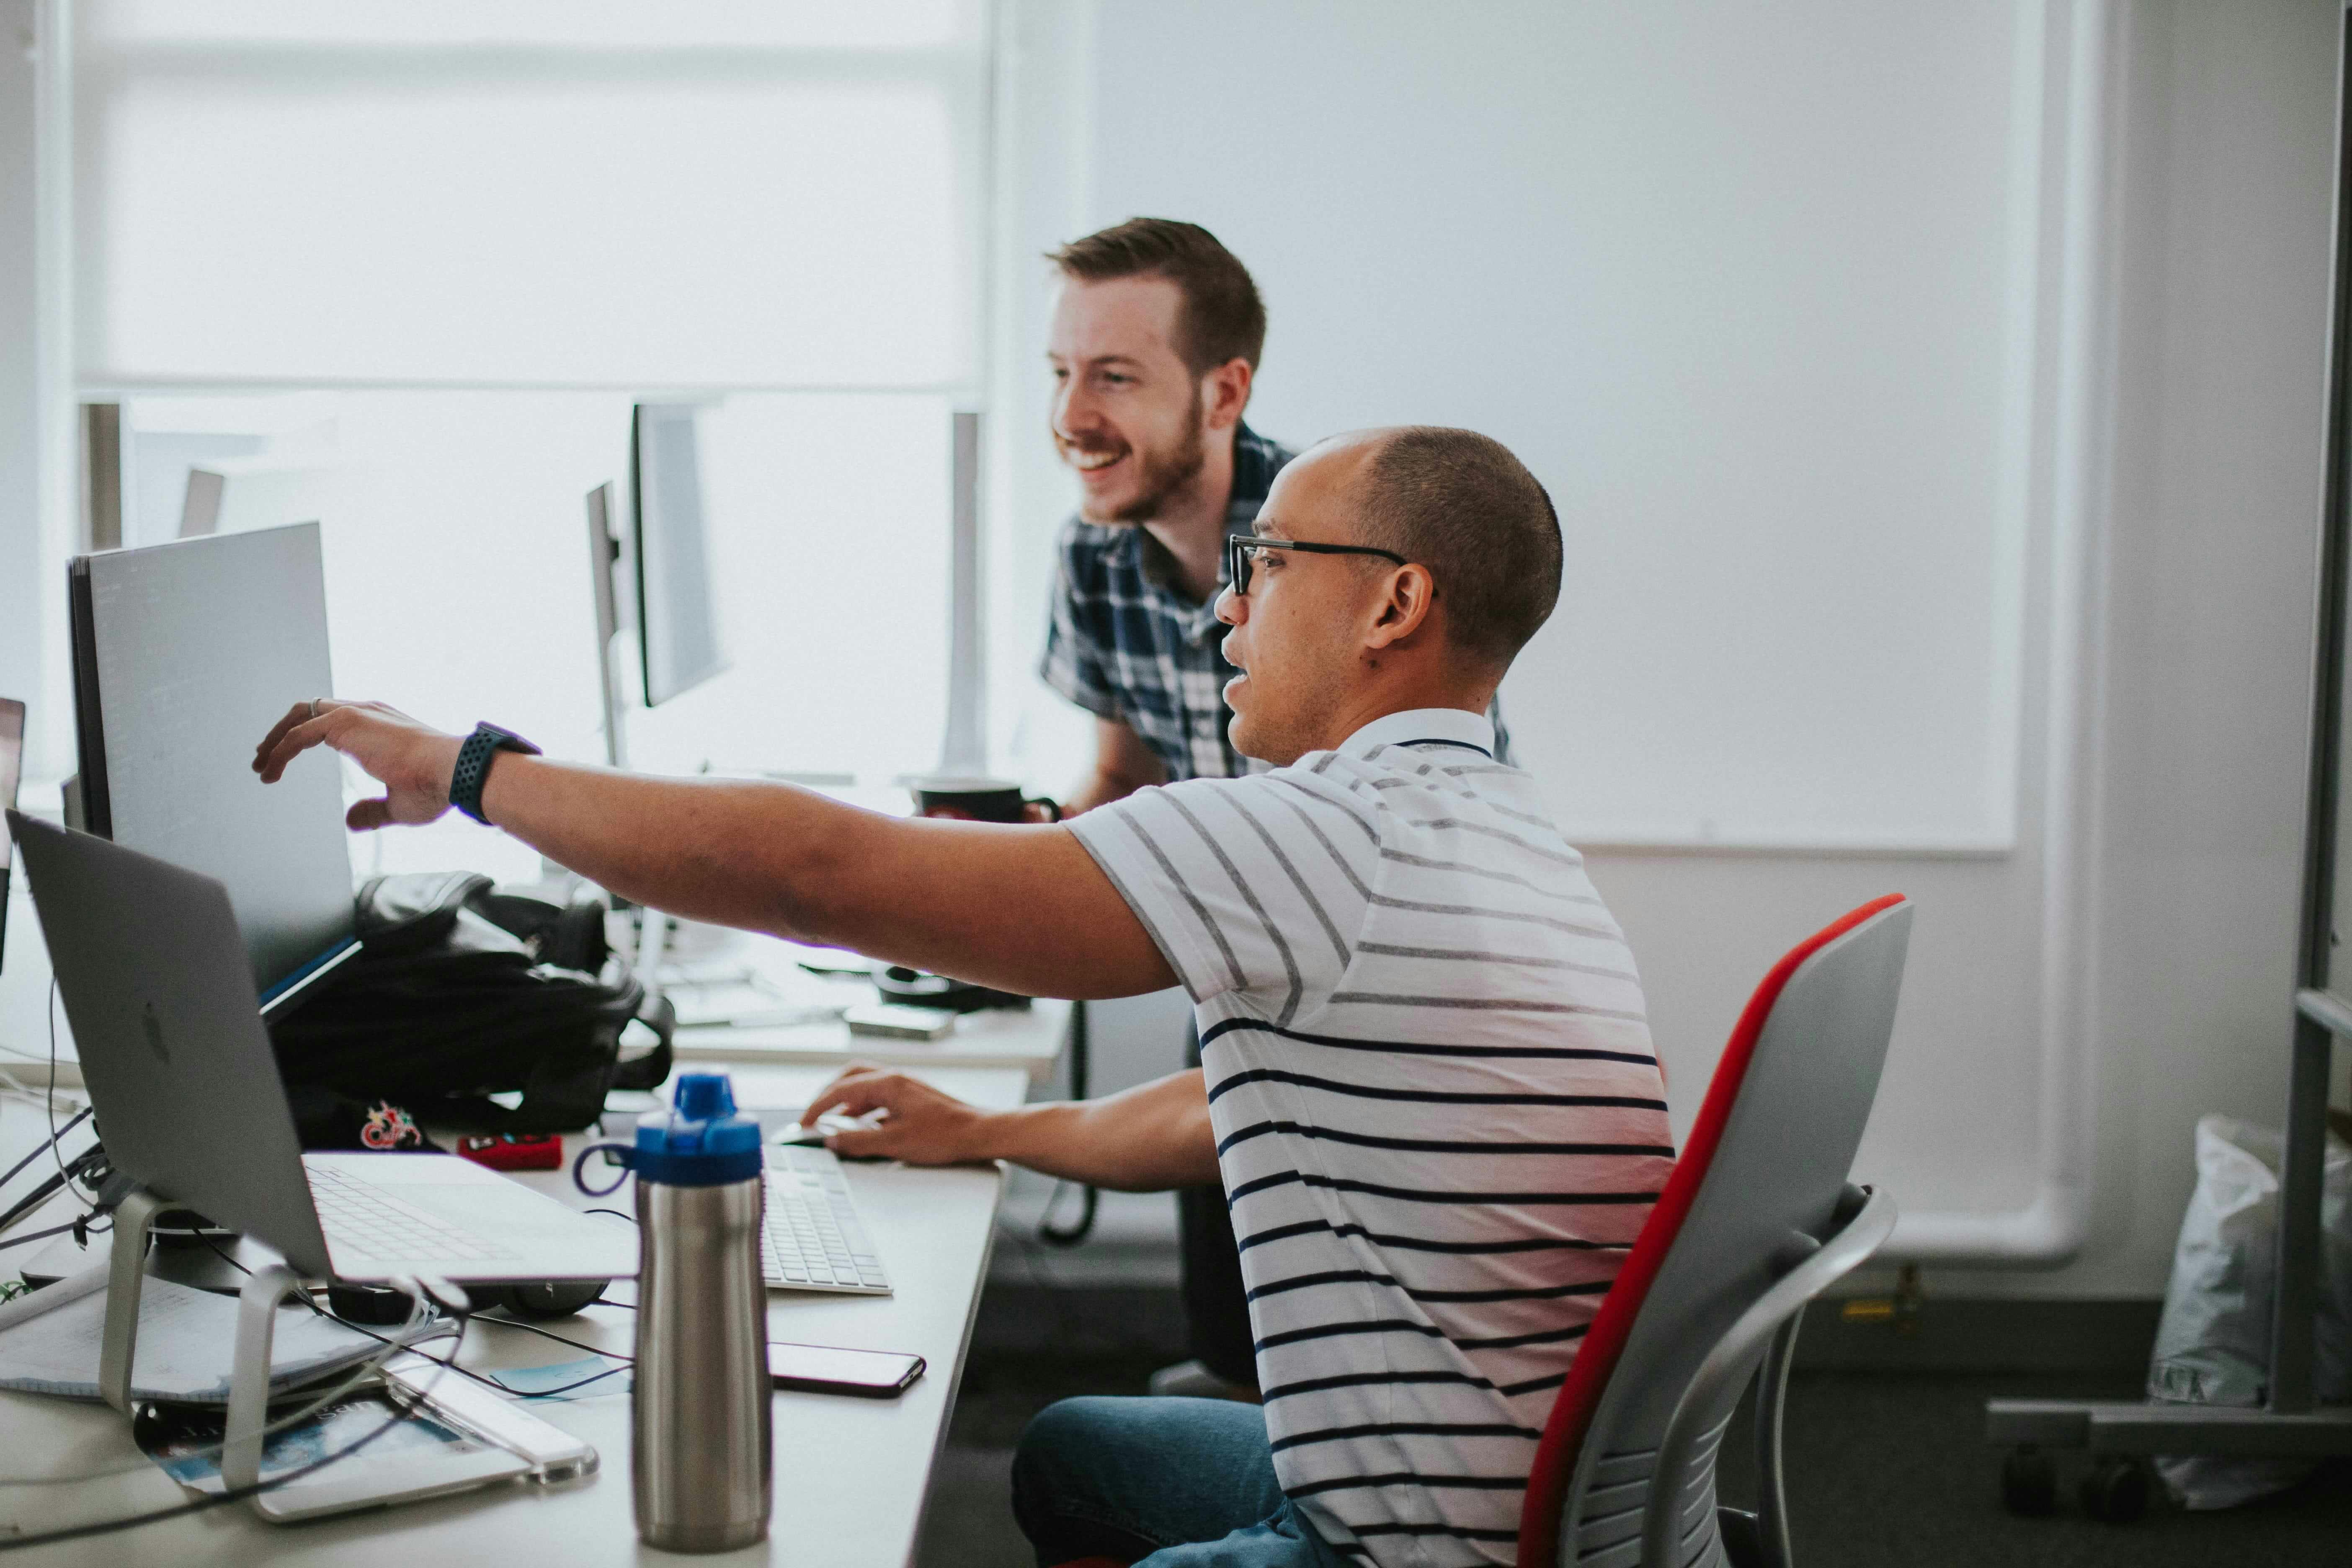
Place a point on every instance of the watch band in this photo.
(473, 768)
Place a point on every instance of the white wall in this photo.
(24, 592)
(1395, 176)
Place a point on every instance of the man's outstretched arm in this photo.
(1147, 1139)
(1022, 909)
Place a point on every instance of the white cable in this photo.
(372, 1365)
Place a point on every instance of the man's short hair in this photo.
(1223, 317)
(1462, 505)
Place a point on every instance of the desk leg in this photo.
(134, 1220)
(248, 1388)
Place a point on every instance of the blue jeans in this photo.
(1173, 1483)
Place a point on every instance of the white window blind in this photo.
(497, 192)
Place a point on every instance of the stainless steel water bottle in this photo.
(700, 1461)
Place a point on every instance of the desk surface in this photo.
(1028, 1038)
(850, 1474)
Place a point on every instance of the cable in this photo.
(81, 1165)
(17, 1169)
(45, 1235)
(559, 1339)
(360, 1373)
(228, 1495)
(483, 1378)
(417, 1318)
(486, 1380)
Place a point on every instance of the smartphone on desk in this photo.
(824, 1369)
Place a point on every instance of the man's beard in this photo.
(1164, 472)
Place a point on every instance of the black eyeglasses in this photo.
(1241, 555)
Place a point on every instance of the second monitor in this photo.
(677, 615)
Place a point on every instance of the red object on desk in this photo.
(515, 1151)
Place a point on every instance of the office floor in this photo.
(1882, 1469)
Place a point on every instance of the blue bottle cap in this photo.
(702, 1140)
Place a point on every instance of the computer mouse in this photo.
(826, 1126)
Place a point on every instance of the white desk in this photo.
(850, 1474)
(1028, 1038)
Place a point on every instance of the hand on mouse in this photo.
(918, 1124)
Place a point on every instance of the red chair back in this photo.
(1591, 1377)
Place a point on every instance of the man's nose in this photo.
(1074, 411)
(1232, 608)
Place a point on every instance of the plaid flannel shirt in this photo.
(1126, 643)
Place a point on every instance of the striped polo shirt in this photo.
(1439, 1120)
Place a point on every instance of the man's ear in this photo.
(1407, 605)
(1224, 393)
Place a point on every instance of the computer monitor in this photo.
(676, 612)
(12, 764)
(604, 560)
(183, 656)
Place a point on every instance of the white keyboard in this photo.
(813, 1239)
(363, 1218)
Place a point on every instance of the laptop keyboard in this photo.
(813, 1239)
(365, 1219)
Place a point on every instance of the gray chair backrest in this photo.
(1772, 1190)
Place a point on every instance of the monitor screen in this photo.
(677, 612)
(186, 655)
(12, 763)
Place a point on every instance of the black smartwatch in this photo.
(473, 768)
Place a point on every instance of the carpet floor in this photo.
(1883, 1469)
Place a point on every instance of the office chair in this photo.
(1756, 1221)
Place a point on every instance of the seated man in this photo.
(1427, 1084)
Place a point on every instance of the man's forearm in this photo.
(1147, 1139)
(1023, 908)
(791, 862)
(755, 855)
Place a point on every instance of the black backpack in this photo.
(460, 993)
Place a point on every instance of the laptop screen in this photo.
(12, 763)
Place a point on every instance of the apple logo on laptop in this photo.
(154, 1034)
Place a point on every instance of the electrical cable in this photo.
(17, 1169)
(360, 1373)
(559, 1339)
(229, 1494)
(81, 1165)
(418, 1317)
(487, 1380)
(45, 1235)
(449, 1364)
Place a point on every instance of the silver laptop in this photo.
(159, 993)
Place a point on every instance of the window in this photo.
(545, 194)
(405, 270)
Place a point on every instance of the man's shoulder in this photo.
(1091, 552)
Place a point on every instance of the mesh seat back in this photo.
(1764, 1168)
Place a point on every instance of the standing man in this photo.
(1154, 348)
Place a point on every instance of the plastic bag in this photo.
(2213, 1342)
